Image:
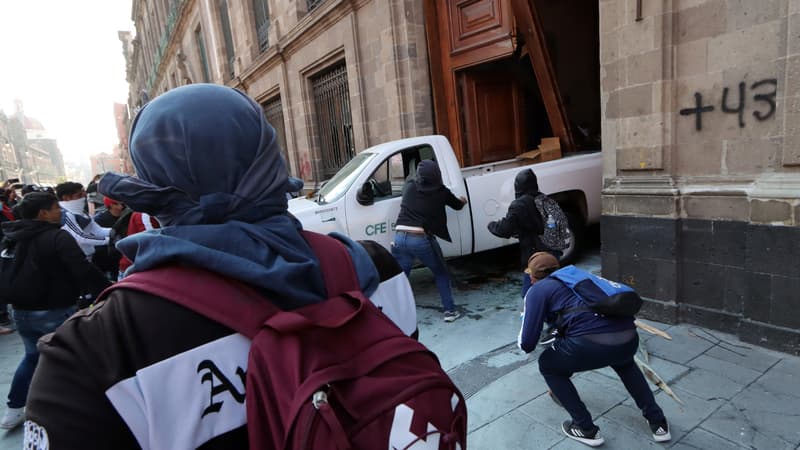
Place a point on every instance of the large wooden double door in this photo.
(481, 102)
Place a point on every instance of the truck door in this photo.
(374, 205)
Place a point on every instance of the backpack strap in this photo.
(244, 309)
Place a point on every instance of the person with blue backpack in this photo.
(571, 299)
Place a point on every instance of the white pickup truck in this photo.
(362, 200)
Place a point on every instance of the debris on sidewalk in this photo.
(651, 329)
(655, 378)
(642, 358)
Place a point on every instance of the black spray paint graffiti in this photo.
(738, 109)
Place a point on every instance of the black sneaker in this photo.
(660, 431)
(591, 437)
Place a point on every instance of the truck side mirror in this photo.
(365, 196)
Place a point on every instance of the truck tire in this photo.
(578, 230)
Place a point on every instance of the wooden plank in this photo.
(533, 154)
(530, 27)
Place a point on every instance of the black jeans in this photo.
(569, 355)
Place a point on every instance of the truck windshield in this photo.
(340, 183)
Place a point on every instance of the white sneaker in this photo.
(450, 316)
(12, 418)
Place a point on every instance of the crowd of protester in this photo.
(110, 376)
(64, 256)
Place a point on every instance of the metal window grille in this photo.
(273, 112)
(313, 4)
(261, 13)
(226, 32)
(334, 119)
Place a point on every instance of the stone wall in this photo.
(381, 42)
(701, 137)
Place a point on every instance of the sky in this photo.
(64, 60)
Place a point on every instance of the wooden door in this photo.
(465, 34)
(493, 117)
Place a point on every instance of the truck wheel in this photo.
(577, 229)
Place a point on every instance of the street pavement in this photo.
(733, 395)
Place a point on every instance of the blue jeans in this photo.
(577, 354)
(409, 246)
(31, 325)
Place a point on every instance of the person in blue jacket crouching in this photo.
(586, 341)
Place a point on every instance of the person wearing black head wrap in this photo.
(523, 221)
(422, 218)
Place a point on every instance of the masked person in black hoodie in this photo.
(422, 218)
(50, 274)
(523, 221)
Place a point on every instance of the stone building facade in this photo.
(9, 164)
(701, 140)
(27, 151)
(344, 73)
(698, 111)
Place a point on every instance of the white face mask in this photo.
(74, 206)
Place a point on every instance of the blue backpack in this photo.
(599, 295)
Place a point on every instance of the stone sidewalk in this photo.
(734, 395)
(11, 351)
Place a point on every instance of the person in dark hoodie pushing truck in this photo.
(422, 218)
(50, 274)
(523, 221)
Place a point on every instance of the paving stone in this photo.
(512, 431)
(749, 357)
(790, 365)
(781, 382)
(708, 385)
(681, 349)
(682, 417)
(479, 372)
(725, 369)
(702, 439)
(504, 395)
(745, 426)
(11, 439)
(685, 417)
(543, 410)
